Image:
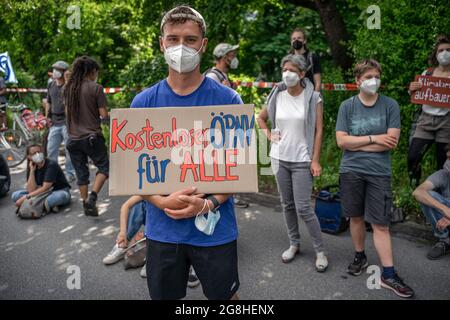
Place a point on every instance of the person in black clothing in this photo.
(43, 174)
(5, 177)
(298, 44)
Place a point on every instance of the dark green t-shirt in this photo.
(359, 120)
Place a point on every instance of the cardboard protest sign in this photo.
(163, 150)
(435, 92)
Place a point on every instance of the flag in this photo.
(6, 67)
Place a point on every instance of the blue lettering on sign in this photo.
(227, 124)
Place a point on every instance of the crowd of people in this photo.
(178, 252)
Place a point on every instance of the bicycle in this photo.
(26, 128)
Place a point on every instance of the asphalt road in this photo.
(35, 256)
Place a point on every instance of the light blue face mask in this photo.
(207, 225)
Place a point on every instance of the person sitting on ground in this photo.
(43, 174)
(434, 198)
(5, 177)
(132, 217)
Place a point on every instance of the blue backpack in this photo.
(328, 211)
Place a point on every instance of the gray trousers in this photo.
(294, 182)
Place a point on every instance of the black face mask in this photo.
(297, 44)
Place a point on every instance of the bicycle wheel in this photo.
(15, 149)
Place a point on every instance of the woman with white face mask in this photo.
(295, 112)
(433, 124)
(43, 174)
(367, 129)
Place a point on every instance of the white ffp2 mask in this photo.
(181, 58)
(370, 86)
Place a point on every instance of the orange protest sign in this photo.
(434, 92)
(162, 150)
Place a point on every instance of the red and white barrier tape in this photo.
(247, 84)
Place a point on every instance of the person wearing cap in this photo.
(174, 240)
(55, 112)
(225, 58)
(295, 111)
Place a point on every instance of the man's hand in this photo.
(316, 169)
(21, 200)
(443, 223)
(174, 202)
(385, 140)
(122, 240)
(195, 204)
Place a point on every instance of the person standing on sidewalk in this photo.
(55, 112)
(367, 129)
(174, 241)
(433, 124)
(86, 105)
(295, 111)
(299, 47)
(434, 198)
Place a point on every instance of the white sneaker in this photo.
(144, 271)
(289, 254)
(115, 255)
(321, 262)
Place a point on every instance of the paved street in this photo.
(34, 256)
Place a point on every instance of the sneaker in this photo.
(289, 254)
(144, 271)
(438, 250)
(90, 208)
(192, 280)
(357, 266)
(240, 204)
(397, 285)
(321, 262)
(115, 255)
(47, 208)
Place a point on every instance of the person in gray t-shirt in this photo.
(434, 198)
(56, 113)
(367, 129)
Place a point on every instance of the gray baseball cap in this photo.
(223, 48)
(61, 65)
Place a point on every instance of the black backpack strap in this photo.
(218, 73)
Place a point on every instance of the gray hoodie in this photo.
(311, 99)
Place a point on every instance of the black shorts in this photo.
(168, 270)
(93, 147)
(368, 196)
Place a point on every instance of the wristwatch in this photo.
(28, 196)
(215, 202)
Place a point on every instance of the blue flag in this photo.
(6, 67)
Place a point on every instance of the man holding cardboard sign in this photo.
(178, 232)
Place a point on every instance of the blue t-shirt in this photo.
(159, 226)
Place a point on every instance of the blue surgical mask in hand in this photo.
(208, 224)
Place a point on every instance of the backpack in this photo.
(328, 211)
(33, 208)
(136, 252)
(222, 77)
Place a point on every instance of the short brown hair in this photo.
(440, 39)
(181, 14)
(362, 66)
